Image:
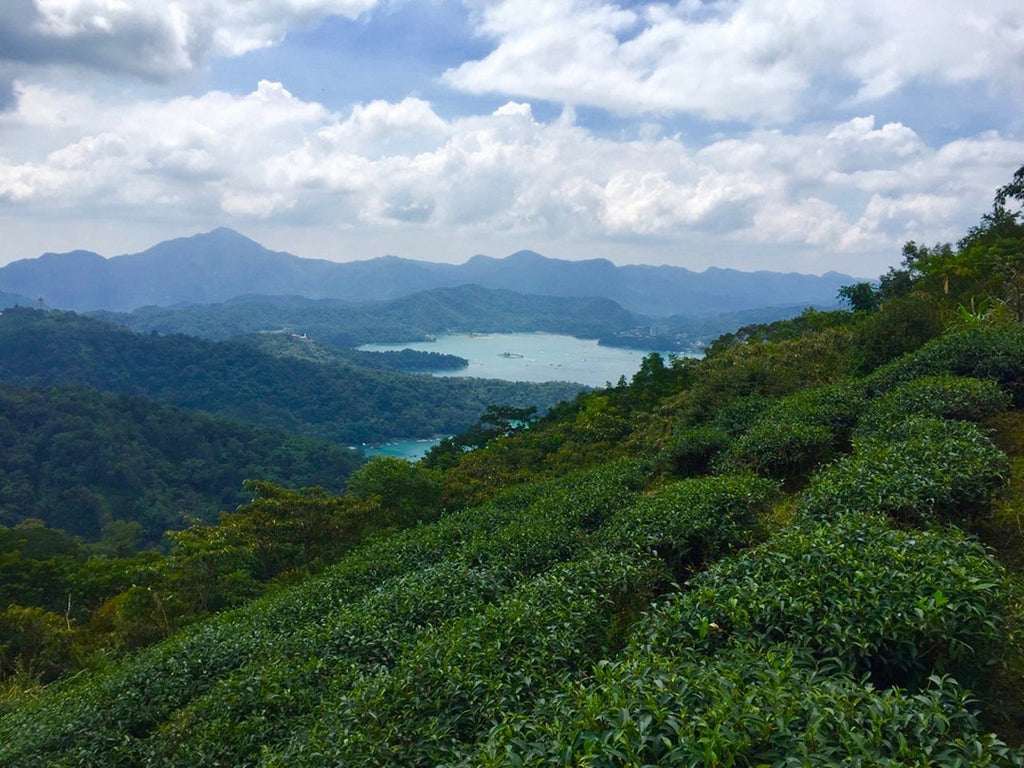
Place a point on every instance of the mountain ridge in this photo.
(218, 265)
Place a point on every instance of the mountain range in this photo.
(222, 264)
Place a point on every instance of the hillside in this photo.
(220, 265)
(79, 460)
(828, 609)
(463, 309)
(336, 402)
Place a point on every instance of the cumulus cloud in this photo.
(751, 60)
(857, 187)
(154, 39)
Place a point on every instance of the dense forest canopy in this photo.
(79, 460)
(803, 549)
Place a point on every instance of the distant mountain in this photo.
(15, 300)
(223, 264)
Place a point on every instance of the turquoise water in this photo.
(532, 357)
(410, 449)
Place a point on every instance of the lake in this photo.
(532, 357)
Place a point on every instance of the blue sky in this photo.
(801, 135)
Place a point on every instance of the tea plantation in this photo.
(799, 602)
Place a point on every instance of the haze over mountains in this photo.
(223, 264)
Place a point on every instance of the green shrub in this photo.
(691, 449)
(920, 469)
(456, 682)
(796, 433)
(782, 449)
(944, 396)
(746, 707)
(692, 522)
(900, 605)
(737, 416)
(261, 704)
(556, 525)
(984, 352)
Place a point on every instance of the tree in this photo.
(862, 297)
(390, 492)
(1012, 191)
(991, 257)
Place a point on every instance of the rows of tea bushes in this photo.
(543, 572)
(790, 654)
(919, 469)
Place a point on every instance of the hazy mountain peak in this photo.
(77, 255)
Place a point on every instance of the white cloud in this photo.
(753, 60)
(156, 38)
(857, 187)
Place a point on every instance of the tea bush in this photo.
(797, 432)
(555, 526)
(944, 396)
(983, 352)
(261, 703)
(453, 684)
(690, 450)
(920, 469)
(746, 707)
(900, 605)
(692, 522)
(782, 449)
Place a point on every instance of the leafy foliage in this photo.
(983, 352)
(945, 396)
(786, 652)
(795, 433)
(79, 460)
(920, 469)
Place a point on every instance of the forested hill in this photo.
(463, 309)
(218, 265)
(80, 460)
(342, 403)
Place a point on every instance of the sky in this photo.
(792, 135)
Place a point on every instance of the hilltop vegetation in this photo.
(79, 460)
(463, 309)
(767, 557)
(331, 401)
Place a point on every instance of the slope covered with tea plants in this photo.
(773, 556)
